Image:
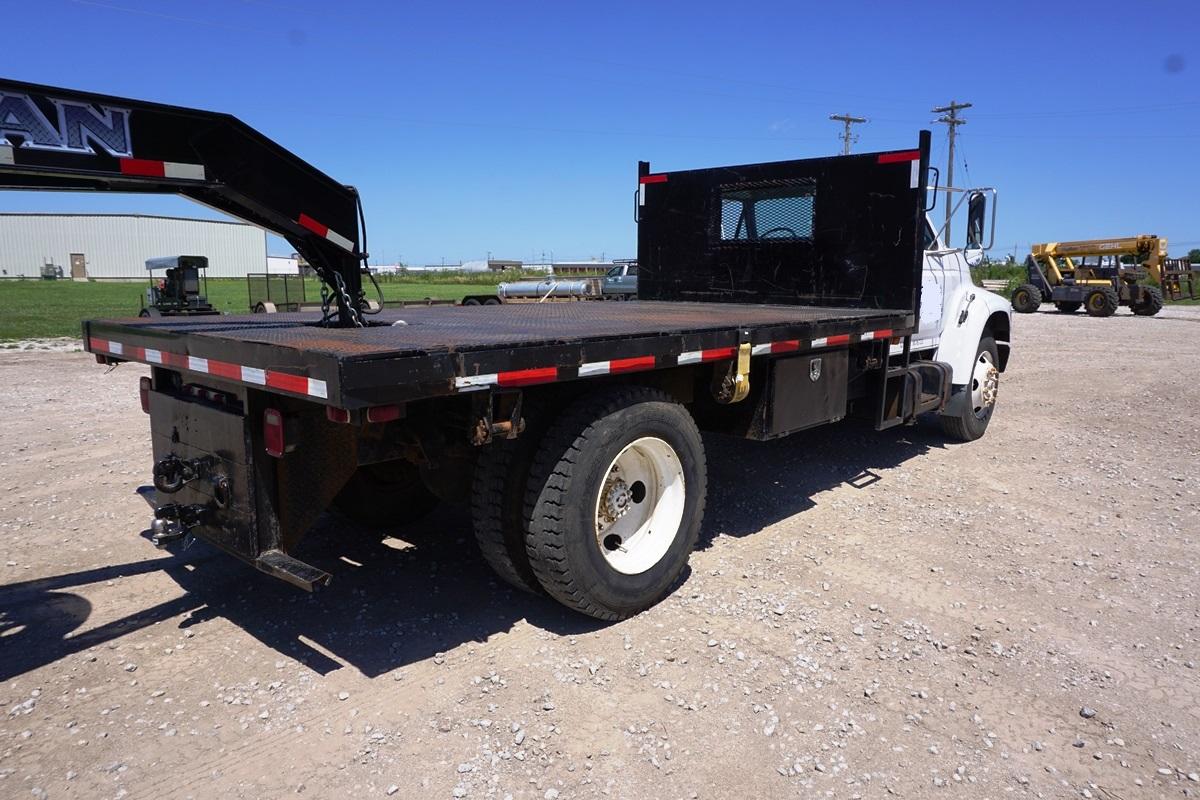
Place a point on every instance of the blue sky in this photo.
(515, 128)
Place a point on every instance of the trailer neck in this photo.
(67, 140)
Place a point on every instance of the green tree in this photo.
(1194, 255)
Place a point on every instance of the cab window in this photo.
(930, 237)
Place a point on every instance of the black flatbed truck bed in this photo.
(417, 353)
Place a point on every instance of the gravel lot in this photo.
(868, 614)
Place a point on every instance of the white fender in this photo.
(970, 308)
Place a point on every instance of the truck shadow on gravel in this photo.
(400, 599)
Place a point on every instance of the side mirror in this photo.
(976, 211)
(973, 256)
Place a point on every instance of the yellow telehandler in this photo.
(1094, 274)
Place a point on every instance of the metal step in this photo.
(292, 570)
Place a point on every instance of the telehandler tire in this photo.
(1152, 304)
(615, 500)
(1068, 306)
(1102, 302)
(1026, 298)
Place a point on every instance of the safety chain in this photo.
(326, 299)
(341, 287)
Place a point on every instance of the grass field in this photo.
(37, 309)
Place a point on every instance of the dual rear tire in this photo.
(602, 509)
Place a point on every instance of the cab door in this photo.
(933, 291)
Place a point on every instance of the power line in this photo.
(951, 119)
(846, 136)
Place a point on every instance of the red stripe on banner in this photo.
(524, 377)
(786, 346)
(659, 178)
(717, 354)
(223, 369)
(287, 382)
(142, 166)
(631, 364)
(892, 158)
(314, 226)
(843, 338)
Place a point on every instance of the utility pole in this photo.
(950, 117)
(846, 136)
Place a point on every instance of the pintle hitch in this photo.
(173, 521)
(172, 473)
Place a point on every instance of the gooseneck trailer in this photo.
(772, 298)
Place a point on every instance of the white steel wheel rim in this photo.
(639, 505)
(985, 383)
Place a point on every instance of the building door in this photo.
(78, 266)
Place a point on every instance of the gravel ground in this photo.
(868, 614)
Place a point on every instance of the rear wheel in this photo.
(614, 501)
(1026, 298)
(1068, 306)
(1152, 302)
(385, 495)
(978, 399)
(470, 301)
(498, 503)
(1102, 302)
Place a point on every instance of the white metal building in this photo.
(114, 246)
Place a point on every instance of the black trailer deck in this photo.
(413, 353)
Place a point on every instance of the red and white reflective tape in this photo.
(162, 169)
(913, 156)
(616, 366)
(830, 341)
(644, 180)
(254, 376)
(701, 356)
(324, 231)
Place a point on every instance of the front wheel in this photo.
(1026, 298)
(976, 401)
(614, 501)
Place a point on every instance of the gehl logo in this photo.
(76, 128)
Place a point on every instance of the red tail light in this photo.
(144, 393)
(273, 436)
(336, 414)
(383, 413)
